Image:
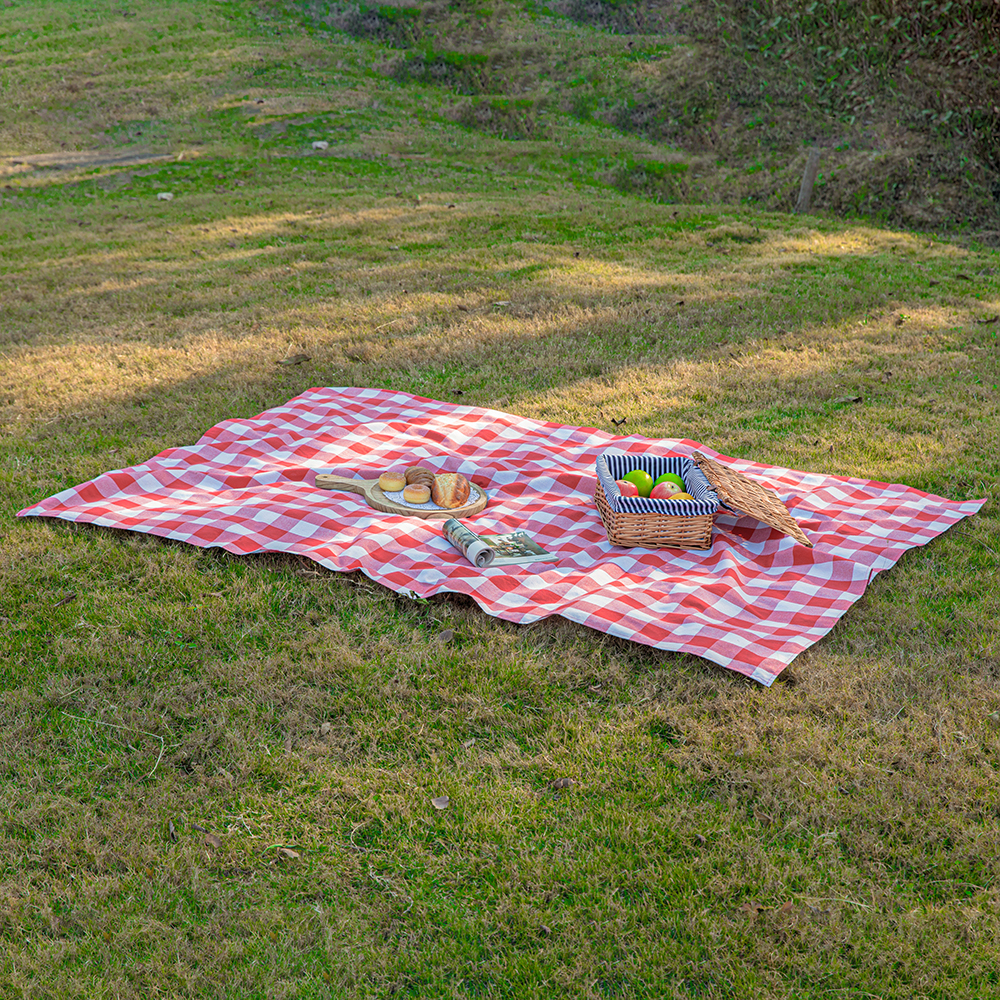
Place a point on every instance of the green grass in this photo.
(832, 836)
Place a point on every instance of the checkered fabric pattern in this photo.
(752, 602)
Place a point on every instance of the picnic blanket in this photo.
(751, 603)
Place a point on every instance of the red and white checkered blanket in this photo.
(751, 603)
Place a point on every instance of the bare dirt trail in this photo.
(81, 159)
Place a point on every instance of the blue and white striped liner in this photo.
(612, 465)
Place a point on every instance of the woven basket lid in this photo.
(749, 497)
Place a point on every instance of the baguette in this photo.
(451, 490)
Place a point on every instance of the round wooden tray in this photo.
(372, 492)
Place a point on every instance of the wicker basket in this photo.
(654, 531)
(661, 527)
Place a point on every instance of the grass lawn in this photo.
(216, 773)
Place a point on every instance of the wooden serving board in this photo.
(372, 492)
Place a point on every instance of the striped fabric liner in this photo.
(613, 465)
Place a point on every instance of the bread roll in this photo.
(418, 474)
(391, 482)
(451, 490)
(416, 493)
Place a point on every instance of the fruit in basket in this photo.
(627, 488)
(668, 491)
(662, 491)
(642, 479)
(670, 477)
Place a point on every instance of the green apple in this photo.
(670, 477)
(642, 479)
